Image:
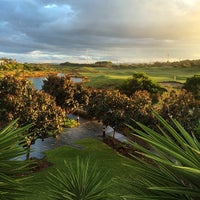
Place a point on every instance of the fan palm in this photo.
(172, 168)
(12, 170)
(81, 181)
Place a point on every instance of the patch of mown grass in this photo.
(104, 81)
(106, 158)
(102, 76)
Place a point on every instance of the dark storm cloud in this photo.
(69, 27)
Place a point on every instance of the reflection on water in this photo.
(38, 81)
(77, 80)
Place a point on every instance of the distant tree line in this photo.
(96, 64)
(7, 64)
(182, 63)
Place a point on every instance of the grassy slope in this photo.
(103, 76)
(106, 158)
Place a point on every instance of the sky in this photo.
(86, 31)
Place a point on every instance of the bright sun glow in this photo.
(189, 2)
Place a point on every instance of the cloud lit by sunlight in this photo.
(116, 30)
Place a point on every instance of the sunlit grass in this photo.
(106, 158)
(102, 76)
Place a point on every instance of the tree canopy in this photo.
(193, 85)
(140, 81)
(20, 100)
(68, 95)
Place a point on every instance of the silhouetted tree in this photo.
(193, 85)
(140, 81)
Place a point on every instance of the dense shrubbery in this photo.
(141, 81)
(109, 107)
(116, 109)
(9, 64)
(193, 85)
(180, 105)
(68, 94)
(142, 108)
(70, 123)
(20, 100)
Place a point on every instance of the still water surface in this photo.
(38, 81)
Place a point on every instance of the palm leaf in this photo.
(174, 171)
(11, 169)
(82, 181)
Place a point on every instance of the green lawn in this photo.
(105, 76)
(107, 159)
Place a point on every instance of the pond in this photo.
(38, 81)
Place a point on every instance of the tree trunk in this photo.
(28, 152)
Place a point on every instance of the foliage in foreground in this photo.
(80, 182)
(174, 170)
(11, 170)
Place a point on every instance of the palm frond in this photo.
(81, 181)
(174, 171)
(12, 171)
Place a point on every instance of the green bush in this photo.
(141, 81)
(70, 123)
(193, 85)
(180, 105)
(20, 100)
(68, 95)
